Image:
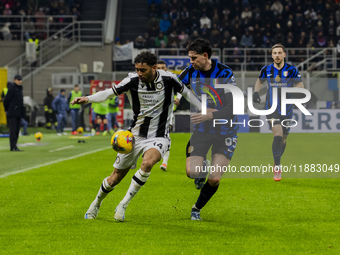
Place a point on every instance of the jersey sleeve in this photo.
(185, 76)
(262, 76)
(126, 84)
(177, 84)
(227, 77)
(296, 76)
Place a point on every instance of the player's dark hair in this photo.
(200, 46)
(279, 45)
(146, 57)
(161, 62)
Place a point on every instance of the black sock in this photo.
(283, 148)
(206, 193)
(93, 124)
(277, 149)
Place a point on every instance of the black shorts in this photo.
(200, 143)
(100, 116)
(279, 120)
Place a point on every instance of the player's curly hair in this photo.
(200, 45)
(146, 57)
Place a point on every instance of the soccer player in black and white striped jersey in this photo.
(151, 94)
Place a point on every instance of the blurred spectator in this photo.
(161, 40)
(183, 38)
(164, 24)
(267, 40)
(321, 40)
(6, 32)
(225, 39)
(150, 42)
(215, 16)
(153, 27)
(204, 20)
(246, 13)
(279, 38)
(28, 26)
(205, 32)
(289, 43)
(7, 10)
(276, 7)
(154, 11)
(174, 15)
(194, 35)
(233, 42)
(139, 43)
(247, 39)
(173, 39)
(215, 36)
(76, 13)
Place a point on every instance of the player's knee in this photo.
(147, 164)
(214, 182)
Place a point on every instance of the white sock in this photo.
(104, 190)
(166, 157)
(138, 180)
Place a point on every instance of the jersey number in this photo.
(159, 145)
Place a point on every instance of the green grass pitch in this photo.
(42, 206)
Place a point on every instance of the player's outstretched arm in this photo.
(98, 97)
(80, 100)
(191, 98)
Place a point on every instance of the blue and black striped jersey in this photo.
(203, 82)
(287, 76)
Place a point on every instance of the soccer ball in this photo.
(38, 135)
(80, 130)
(122, 141)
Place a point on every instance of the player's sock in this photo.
(166, 157)
(277, 149)
(105, 189)
(206, 193)
(283, 148)
(105, 127)
(138, 180)
(93, 124)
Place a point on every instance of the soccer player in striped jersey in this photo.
(201, 76)
(278, 74)
(151, 94)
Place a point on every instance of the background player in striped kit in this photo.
(278, 74)
(201, 76)
(161, 65)
(151, 94)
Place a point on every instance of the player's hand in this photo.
(256, 97)
(177, 101)
(199, 117)
(80, 100)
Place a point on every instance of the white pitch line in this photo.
(62, 148)
(51, 163)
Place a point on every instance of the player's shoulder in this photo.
(187, 70)
(131, 78)
(267, 67)
(132, 75)
(223, 69)
(290, 66)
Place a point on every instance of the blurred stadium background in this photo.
(80, 41)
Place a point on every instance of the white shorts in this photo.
(142, 144)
